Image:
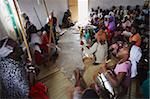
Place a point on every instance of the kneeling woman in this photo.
(99, 48)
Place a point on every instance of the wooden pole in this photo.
(51, 30)
(49, 49)
(23, 32)
(50, 23)
(51, 34)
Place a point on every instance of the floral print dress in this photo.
(13, 79)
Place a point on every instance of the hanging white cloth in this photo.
(5, 50)
(135, 56)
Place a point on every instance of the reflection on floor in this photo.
(58, 76)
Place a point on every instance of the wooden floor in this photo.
(58, 76)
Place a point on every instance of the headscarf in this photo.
(111, 25)
(100, 15)
(101, 35)
(111, 13)
(106, 21)
(107, 16)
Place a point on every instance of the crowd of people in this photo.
(117, 33)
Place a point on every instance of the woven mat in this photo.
(92, 70)
(89, 74)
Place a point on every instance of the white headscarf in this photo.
(111, 13)
(107, 16)
(100, 15)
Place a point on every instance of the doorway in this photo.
(79, 10)
(73, 7)
(82, 10)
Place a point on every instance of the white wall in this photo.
(106, 4)
(3, 33)
(58, 6)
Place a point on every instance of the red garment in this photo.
(38, 57)
(38, 91)
(81, 43)
(110, 34)
(45, 39)
(45, 42)
(101, 35)
(44, 48)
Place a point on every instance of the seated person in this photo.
(117, 34)
(101, 21)
(13, 75)
(111, 27)
(29, 27)
(45, 42)
(126, 22)
(40, 47)
(81, 32)
(114, 48)
(120, 81)
(135, 38)
(101, 35)
(92, 12)
(99, 48)
(80, 90)
(126, 11)
(66, 21)
(35, 36)
(87, 35)
(26, 21)
(120, 13)
(111, 13)
(127, 32)
(95, 19)
(106, 20)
